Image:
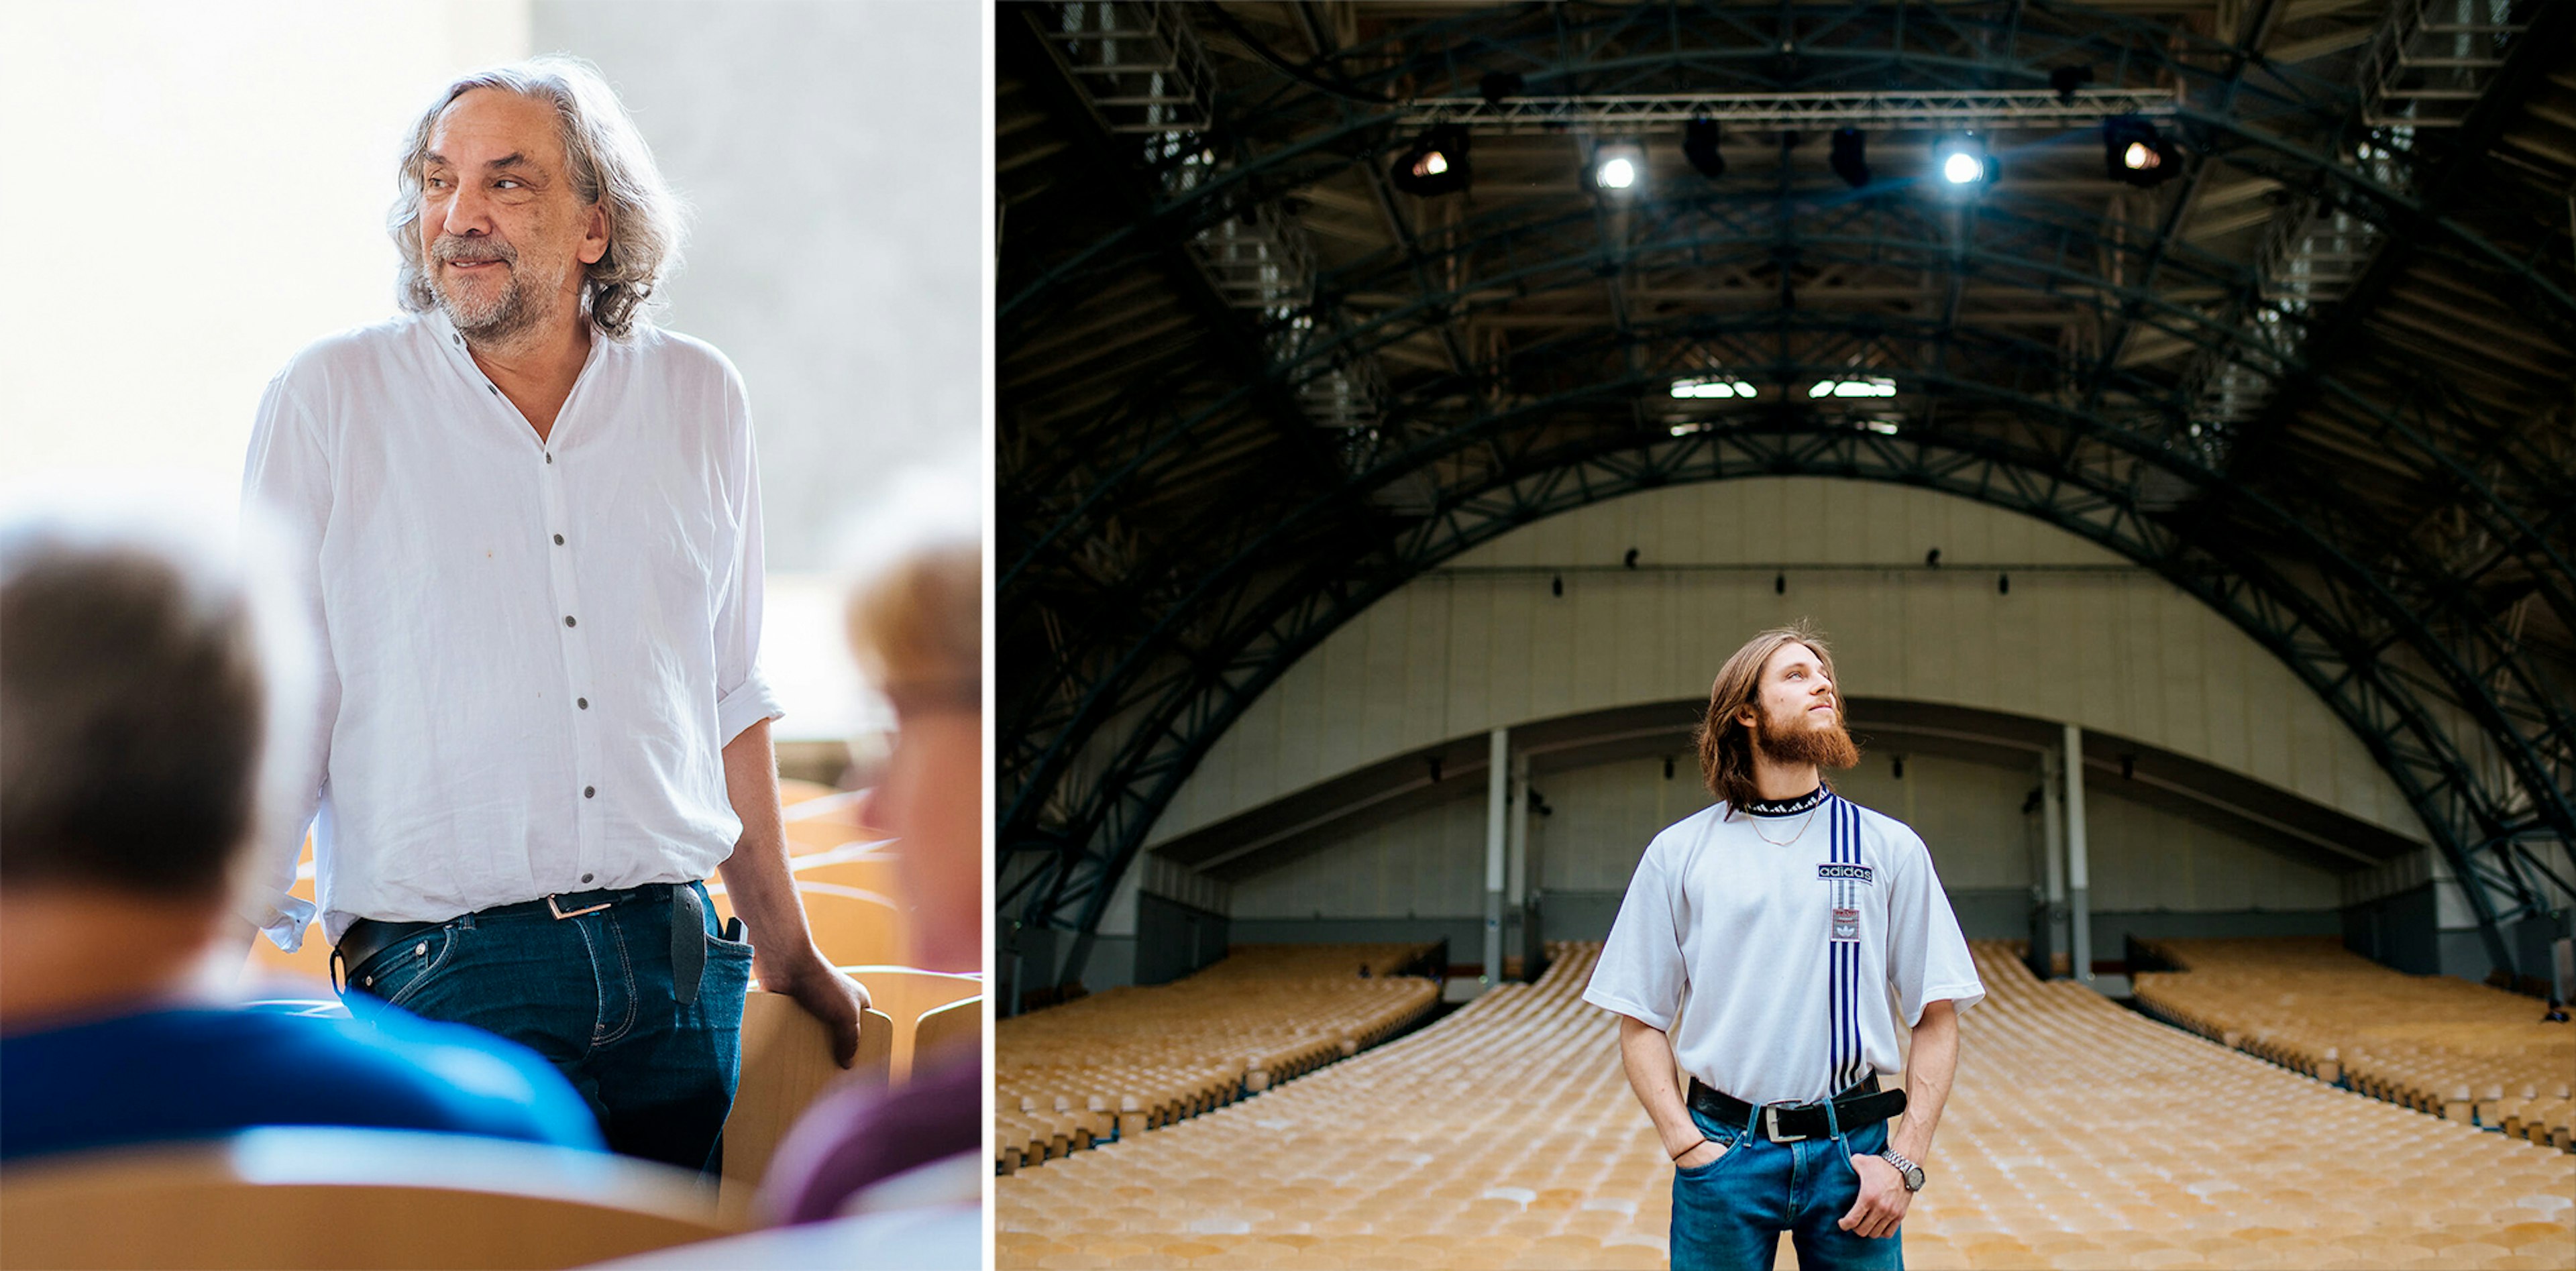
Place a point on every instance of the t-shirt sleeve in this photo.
(1927, 957)
(1640, 974)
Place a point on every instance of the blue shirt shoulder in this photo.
(194, 1073)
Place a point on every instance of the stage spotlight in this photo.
(2134, 153)
(1964, 163)
(2066, 79)
(1618, 167)
(1699, 145)
(1434, 165)
(1850, 159)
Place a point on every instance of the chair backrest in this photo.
(960, 1023)
(299, 1197)
(905, 994)
(786, 1063)
(852, 926)
(875, 872)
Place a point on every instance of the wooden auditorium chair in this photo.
(305, 1197)
(905, 994)
(960, 1024)
(786, 1063)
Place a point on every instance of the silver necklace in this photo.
(1802, 829)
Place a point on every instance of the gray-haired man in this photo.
(535, 553)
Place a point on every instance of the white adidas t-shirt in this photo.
(1771, 962)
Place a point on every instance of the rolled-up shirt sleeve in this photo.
(1641, 973)
(286, 481)
(743, 695)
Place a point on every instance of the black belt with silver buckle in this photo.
(367, 937)
(1861, 1106)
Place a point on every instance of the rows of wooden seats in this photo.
(2436, 1044)
(1321, 961)
(2077, 1134)
(1133, 1059)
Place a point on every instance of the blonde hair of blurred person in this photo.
(916, 626)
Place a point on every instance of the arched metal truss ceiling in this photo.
(1206, 468)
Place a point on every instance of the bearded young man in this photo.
(532, 524)
(1758, 948)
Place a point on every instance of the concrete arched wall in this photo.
(2083, 636)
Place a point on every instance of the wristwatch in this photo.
(1905, 1169)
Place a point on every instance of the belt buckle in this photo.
(1771, 1123)
(557, 910)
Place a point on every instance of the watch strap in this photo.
(1907, 1171)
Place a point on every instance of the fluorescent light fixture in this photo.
(1887, 426)
(1711, 386)
(1868, 386)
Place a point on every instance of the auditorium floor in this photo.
(2079, 1135)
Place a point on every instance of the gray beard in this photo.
(489, 322)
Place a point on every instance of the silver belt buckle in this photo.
(1771, 1123)
(557, 910)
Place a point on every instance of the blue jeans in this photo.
(1729, 1213)
(593, 994)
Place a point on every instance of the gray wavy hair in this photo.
(610, 166)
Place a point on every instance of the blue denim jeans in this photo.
(1729, 1213)
(593, 994)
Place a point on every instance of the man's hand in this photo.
(1882, 1202)
(823, 991)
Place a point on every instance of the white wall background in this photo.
(199, 190)
(2115, 649)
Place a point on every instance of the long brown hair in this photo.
(1725, 742)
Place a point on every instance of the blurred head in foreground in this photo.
(916, 624)
(136, 684)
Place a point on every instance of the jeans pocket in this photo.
(398, 974)
(1726, 1143)
(728, 941)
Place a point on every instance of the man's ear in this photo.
(1747, 718)
(594, 236)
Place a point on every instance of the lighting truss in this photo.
(1942, 109)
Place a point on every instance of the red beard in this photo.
(1800, 742)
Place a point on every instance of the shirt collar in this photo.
(1789, 807)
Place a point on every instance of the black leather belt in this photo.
(1861, 1106)
(367, 937)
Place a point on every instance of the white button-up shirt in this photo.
(532, 652)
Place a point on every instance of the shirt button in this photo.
(550, 458)
(558, 540)
(587, 877)
(496, 392)
(582, 702)
(569, 622)
(589, 791)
